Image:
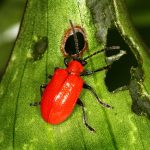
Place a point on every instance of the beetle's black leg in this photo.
(88, 72)
(56, 68)
(41, 91)
(42, 86)
(50, 76)
(80, 103)
(66, 61)
(35, 104)
(96, 96)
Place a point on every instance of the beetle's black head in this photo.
(83, 62)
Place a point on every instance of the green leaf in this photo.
(22, 126)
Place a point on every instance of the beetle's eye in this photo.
(70, 43)
(69, 47)
(84, 62)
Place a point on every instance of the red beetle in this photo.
(62, 93)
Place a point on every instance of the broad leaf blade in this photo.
(22, 126)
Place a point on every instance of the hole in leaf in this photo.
(70, 43)
(68, 46)
(119, 74)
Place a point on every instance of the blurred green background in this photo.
(11, 12)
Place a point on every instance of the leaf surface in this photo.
(22, 126)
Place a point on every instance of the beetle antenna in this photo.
(75, 38)
(103, 50)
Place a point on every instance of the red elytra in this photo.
(61, 94)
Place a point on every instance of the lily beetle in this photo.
(62, 92)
